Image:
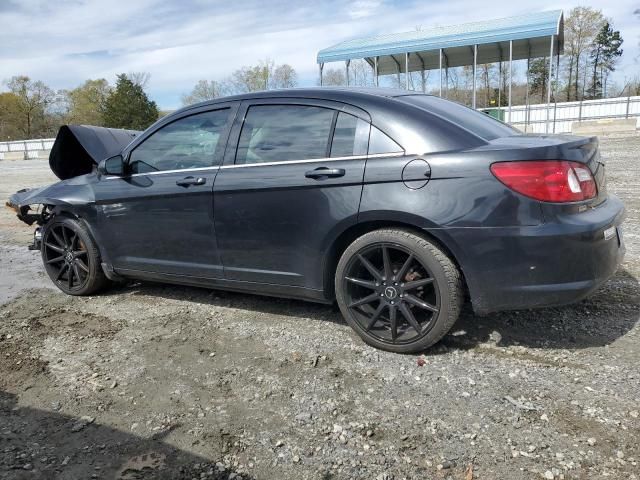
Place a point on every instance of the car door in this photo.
(293, 181)
(158, 217)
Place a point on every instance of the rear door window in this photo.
(281, 133)
(350, 136)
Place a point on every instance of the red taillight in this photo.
(547, 180)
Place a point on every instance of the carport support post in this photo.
(440, 73)
(475, 60)
(510, 76)
(321, 68)
(406, 71)
(346, 63)
(375, 70)
(546, 126)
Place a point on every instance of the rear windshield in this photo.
(478, 123)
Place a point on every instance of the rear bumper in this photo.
(555, 263)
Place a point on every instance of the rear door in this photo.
(159, 217)
(294, 180)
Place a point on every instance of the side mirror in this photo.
(112, 166)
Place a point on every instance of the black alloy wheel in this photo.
(71, 258)
(397, 290)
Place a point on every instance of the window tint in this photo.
(478, 123)
(350, 137)
(278, 133)
(189, 142)
(379, 142)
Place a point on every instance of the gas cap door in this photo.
(416, 173)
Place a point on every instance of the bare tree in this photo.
(581, 27)
(334, 77)
(204, 90)
(34, 98)
(284, 76)
(139, 78)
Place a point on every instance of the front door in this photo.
(294, 181)
(159, 216)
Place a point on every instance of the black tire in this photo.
(416, 279)
(68, 250)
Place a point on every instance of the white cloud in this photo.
(181, 41)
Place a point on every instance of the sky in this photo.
(65, 42)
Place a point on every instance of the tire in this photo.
(69, 250)
(414, 277)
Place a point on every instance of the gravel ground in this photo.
(150, 381)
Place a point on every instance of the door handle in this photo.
(188, 181)
(324, 172)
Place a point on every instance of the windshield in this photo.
(480, 124)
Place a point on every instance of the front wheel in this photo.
(398, 291)
(71, 257)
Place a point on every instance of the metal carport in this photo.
(515, 38)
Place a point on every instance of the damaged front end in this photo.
(74, 157)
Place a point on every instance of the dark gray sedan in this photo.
(397, 205)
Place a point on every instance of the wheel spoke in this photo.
(420, 303)
(82, 265)
(405, 267)
(393, 323)
(64, 235)
(365, 300)
(54, 247)
(57, 237)
(417, 283)
(408, 315)
(374, 319)
(61, 271)
(386, 261)
(79, 252)
(55, 260)
(70, 277)
(372, 270)
(77, 272)
(74, 241)
(363, 283)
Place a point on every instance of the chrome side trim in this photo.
(198, 169)
(313, 160)
(265, 164)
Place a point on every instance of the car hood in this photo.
(78, 148)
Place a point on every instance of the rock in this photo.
(303, 417)
(113, 385)
(337, 428)
(296, 459)
(82, 423)
(591, 441)
(279, 443)
(548, 475)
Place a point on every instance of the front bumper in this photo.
(555, 263)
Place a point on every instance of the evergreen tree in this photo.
(604, 54)
(129, 107)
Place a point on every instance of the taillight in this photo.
(547, 180)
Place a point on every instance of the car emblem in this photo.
(390, 293)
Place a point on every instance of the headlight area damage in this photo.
(74, 156)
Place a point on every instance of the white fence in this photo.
(26, 149)
(557, 118)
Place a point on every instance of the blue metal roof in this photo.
(522, 27)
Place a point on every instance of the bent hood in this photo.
(78, 148)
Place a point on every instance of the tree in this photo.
(33, 100)
(604, 54)
(333, 77)
(581, 27)
(539, 77)
(10, 117)
(139, 78)
(86, 103)
(204, 90)
(284, 76)
(129, 107)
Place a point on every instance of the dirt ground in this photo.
(150, 381)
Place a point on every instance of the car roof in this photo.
(344, 94)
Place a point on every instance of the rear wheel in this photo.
(71, 257)
(397, 290)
